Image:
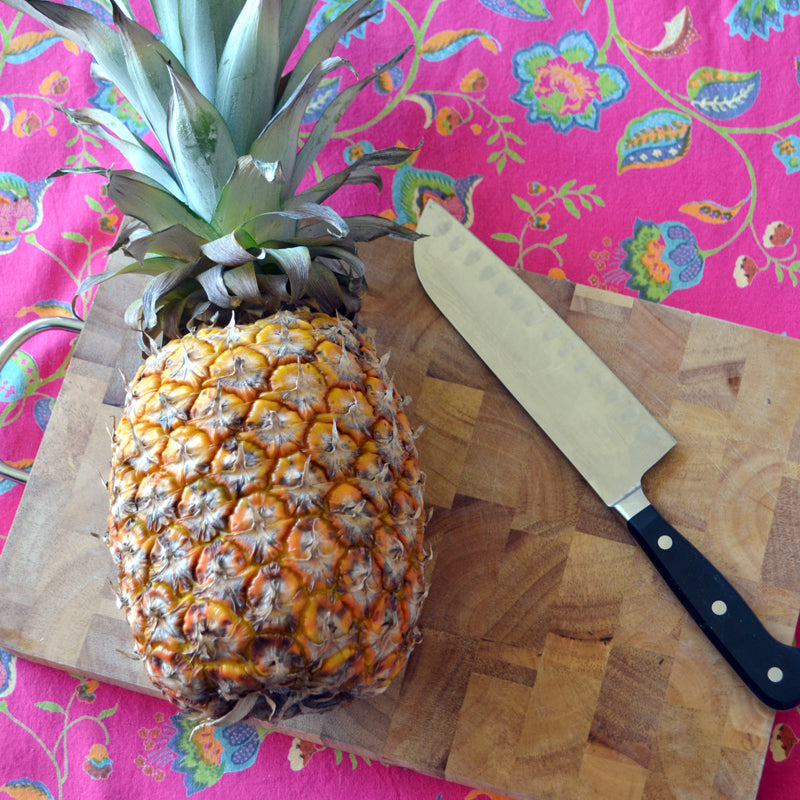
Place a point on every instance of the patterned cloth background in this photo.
(645, 148)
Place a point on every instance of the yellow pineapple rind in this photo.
(267, 517)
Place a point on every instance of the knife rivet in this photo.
(665, 542)
(775, 674)
(719, 607)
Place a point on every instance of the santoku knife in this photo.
(607, 434)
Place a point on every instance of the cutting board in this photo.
(555, 663)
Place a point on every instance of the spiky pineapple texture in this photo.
(269, 546)
(266, 497)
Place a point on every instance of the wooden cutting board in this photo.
(555, 663)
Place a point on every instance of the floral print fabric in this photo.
(649, 149)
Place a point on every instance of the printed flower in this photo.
(20, 208)
(777, 234)
(204, 755)
(26, 123)
(374, 12)
(86, 691)
(541, 221)
(300, 753)
(108, 98)
(563, 85)
(108, 223)
(55, 83)
(782, 742)
(747, 17)
(8, 673)
(355, 151)
(786, 151)
(745, 271)
(387, 81)
(413, 187)
(661, 258)
(97, 764)
(474, 81)
(447, 120)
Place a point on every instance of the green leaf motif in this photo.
(54, 708)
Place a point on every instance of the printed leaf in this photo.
(444, 44)
(522, 204)
(678, 37)
(29, 45)
(712, 212)
(428, 104)
(722, 94)
(107, 712)
(525, 10)
(323, 43)
(8, 112)
(657, 139)
(54, 708)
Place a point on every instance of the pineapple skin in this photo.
(266, 518)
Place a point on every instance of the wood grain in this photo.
(555, 663)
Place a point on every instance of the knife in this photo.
(600, 426)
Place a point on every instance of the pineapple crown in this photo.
(227, 226)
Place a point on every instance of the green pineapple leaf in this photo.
(176, 242)
(249, 71)
(294, 17)
(295, 225)
(138, 153)
(147, 60)
(254, 188)
(196, 20)
(366, 227)
(152, 266)
(278, 141)
(326, 125)
(161, 285)
(202, 147)
(296, 263)
(323, 44)
(141, 197)
(359, 172)
(243, 283)
(166, 13)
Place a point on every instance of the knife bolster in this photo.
(632, 503)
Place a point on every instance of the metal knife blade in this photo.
(599, 425)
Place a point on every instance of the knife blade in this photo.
(600, 426)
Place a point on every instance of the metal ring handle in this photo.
(7, 350)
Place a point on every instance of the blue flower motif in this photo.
(109, 98)
(787, 151)
(21, 205)
(755, 16)
(661, 258)
(8, 673)
(333, 8)
(563, 84)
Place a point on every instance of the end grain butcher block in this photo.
(555, 663)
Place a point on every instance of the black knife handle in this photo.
(770, 668)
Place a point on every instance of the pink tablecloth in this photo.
(646, 148)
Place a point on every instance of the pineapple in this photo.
(266, 508)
